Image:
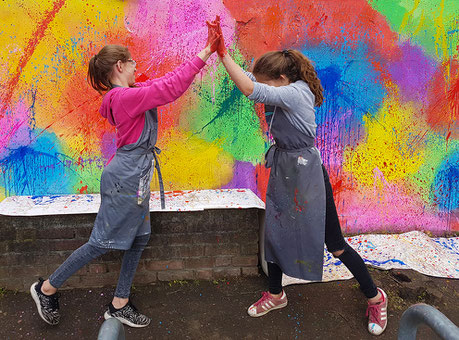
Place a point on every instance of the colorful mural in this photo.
(387, 131)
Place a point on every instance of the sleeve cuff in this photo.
(256, 90)
(198, 62)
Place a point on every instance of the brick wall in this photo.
(204, 245)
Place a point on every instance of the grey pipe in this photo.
(421, 313)
(111, 329)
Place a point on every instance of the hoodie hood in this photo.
(106, 107)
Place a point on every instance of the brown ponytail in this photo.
(101, 66)
(294, 65)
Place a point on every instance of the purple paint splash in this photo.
(412, 72)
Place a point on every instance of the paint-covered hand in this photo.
(212, 36)
(221, 49)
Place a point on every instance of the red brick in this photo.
(57, 233)
(4, 272)
(8, 233)
(27, 271)
(163, 265)
(114, 267)
(249, 249)
(26, 234)
(222, 249)
(169, 275)
(245, 261)
(99, 280)
(65, 244)
(223, 261)
(221, 273)
(97, 268)
(250, 271)
(199, 262)
(204, 274)
(83, 232)
(73, 281)
(145, 277)
(187, 251)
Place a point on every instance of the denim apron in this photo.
(295, 201)
(124, 211)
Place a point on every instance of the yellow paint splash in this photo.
(392, 150)
(78, 28)
(188, 162)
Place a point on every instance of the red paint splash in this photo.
(29, 49)
(443, 109)
(298, 207)
(265, 25)
(262, 177)
(83, 190)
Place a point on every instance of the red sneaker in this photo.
(266, 304)
(377, 313)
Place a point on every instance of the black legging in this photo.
(334, 241)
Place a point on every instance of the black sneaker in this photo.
(129, 315)
(47, 305)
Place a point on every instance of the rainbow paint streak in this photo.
(387, 130)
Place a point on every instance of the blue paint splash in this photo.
(37, 169)
(445, 191)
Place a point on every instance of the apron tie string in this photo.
(156, 152)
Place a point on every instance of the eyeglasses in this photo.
(132, 61)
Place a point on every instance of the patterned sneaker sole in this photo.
(267, 311)
(35, 297)
(126, 322)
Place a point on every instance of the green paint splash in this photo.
(225, 116)
(432, 24)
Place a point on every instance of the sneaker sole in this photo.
(267, 311)
(124, 321)
(35, 297)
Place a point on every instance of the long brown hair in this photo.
(101, 66)
(294, 65)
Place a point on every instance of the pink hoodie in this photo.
(124, 107)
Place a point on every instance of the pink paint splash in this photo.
(175, 29)
(14, 129)
(385, 209)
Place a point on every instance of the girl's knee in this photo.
(338, 253)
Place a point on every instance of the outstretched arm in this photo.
(242, 81)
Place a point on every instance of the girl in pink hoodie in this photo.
(123, 220)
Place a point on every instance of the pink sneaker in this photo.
(377, 313)
(266, 304)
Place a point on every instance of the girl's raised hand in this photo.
(213, 36)
(221, 49)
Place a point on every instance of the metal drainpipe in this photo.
(421, 313)
(111, 329)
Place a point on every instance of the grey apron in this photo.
(124, 211)
(295, 202)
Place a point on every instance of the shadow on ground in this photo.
(217, 309)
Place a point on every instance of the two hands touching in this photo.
(216, 43)
(215, 37)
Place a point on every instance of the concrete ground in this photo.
(217, 309)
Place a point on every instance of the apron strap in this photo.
(156, 152)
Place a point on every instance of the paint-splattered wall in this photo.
(387, 130)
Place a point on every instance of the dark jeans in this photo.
(334, 241)
(88, 252)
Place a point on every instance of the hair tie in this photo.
(286, 53)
